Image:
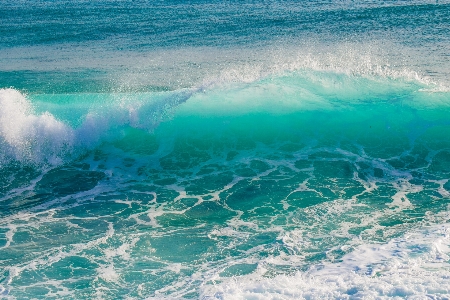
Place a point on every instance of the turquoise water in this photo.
(209, 150)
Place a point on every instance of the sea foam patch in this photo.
(413, 266)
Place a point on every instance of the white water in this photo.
(413, 266)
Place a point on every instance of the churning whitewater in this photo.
(209, 150)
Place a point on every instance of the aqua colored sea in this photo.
(224, 149)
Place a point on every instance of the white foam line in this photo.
(46, 259)
(441, 190)
(302, 187)
(32, 184)
(404, 188)
(9, 235)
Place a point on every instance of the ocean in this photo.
(224, 149)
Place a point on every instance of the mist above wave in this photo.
(93, 69)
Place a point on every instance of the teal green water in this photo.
(205, 150)
(219, 185)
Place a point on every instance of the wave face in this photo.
(221, 151)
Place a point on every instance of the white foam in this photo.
(414, 266)
(9, 235)
(30, 137)
(35, 138)
(108, 273)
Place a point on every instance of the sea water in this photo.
(224, 150)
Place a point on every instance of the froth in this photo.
(414, 266)
(30, 137)
(27, 136)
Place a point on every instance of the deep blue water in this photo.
(224, 150)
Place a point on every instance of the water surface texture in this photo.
(224, 150)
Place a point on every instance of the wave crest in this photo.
(43, 139)
(26, 136)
